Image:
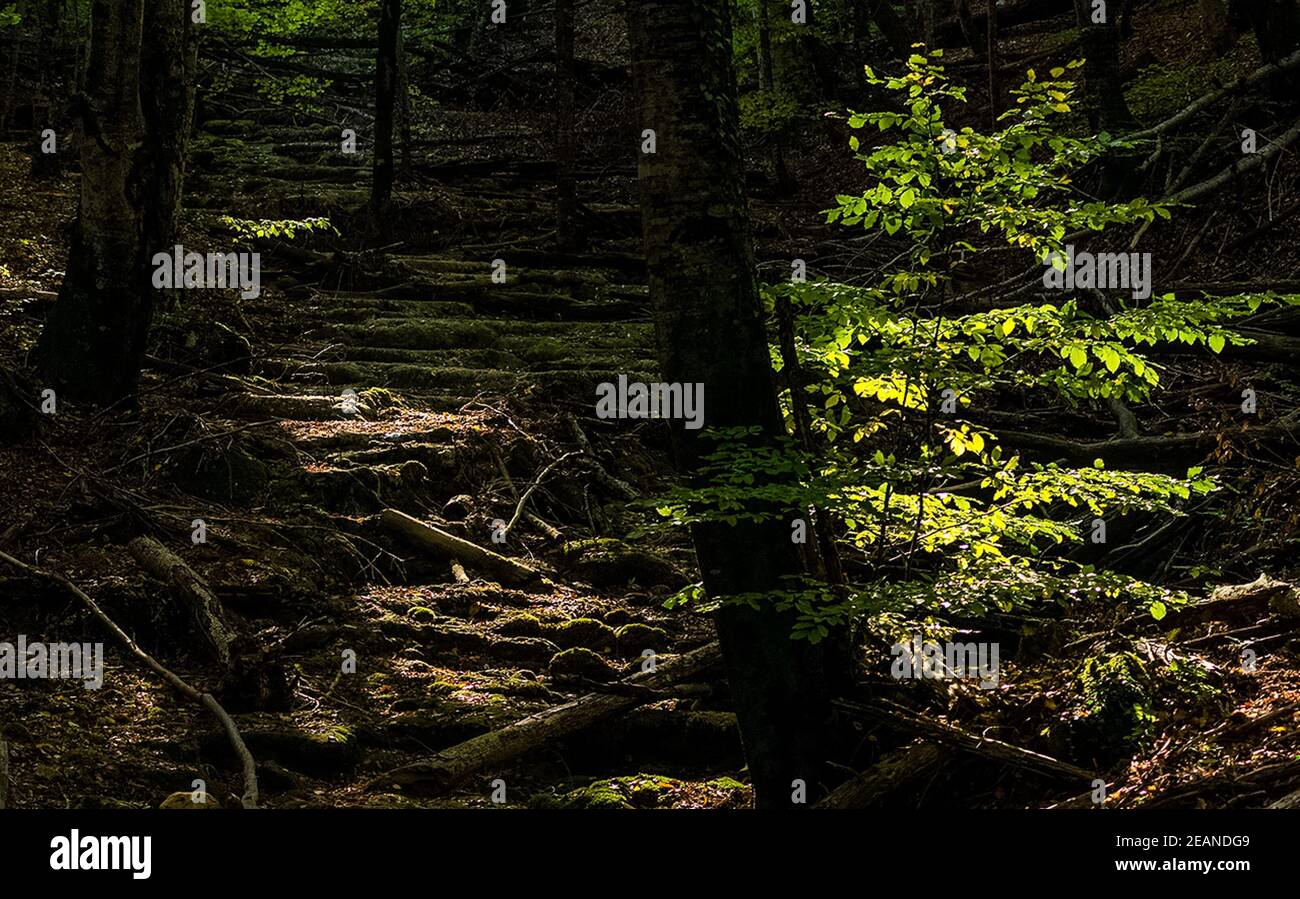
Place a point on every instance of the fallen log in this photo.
(193, 592)
(1236, 600)
(909, 721)
(452, 766)
(506, 570)
(1291, 800)
(895, 772)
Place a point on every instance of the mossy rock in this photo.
(319, 754)
(228, 473)
(581, 662)
(1113, 714)
(586, 632)
(524, 625)
(636, 791)
(607, 563)
(633, 639)
(188, 800)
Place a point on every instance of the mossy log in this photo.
(452, 766)
(895, 772)
(507, 570)
(201, 603)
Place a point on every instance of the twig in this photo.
(537, 482)
(250, 797)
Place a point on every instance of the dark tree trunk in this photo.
(709, 324)
(791, 52)
(167, 66)
(1215, 24)
(94, 341)
(566, 200)
(48, 100)
(765, 76)
(1103, 83)
(390, 22)
(895, 28)
(1276, 24)
(404, 102)
(995, 92)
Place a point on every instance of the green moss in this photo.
(630, 792)
(1159, 91)
(634, 638)
(523, 625)
(610, 563)
(581, 662)
(586, 632)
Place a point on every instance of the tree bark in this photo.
(390, 23)
(203, 606)
(709, 326)
(167, 67)
(94, 340)
(566, 203)
(1215, 24)
(1103, 85)
(1276, 24)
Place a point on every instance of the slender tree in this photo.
(566, 202)
(386, 73)
(1103, 84)
(709, 325)
(94, 341)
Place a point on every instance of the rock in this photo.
(610, 563)
(633, 639)
(458, 508)
(524, 625)
(581, 662)
(190, 800)
(586, 632)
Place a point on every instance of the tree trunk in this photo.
(709, 324)
(390, 22)
(1276, 24)
(566, 202)
(1103, 85)
(794, 71)
(895, 28)
(167, 68)
(765, 78)
(995, 92)
(1215, 24)
(94, 341)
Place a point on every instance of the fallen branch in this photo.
(909, 721)
(897, 771)
(1238, 167)
(203, 606)
(250, 797)
(507, 570)
(444, 770)
(1258, 76)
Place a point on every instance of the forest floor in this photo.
(396, 374)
